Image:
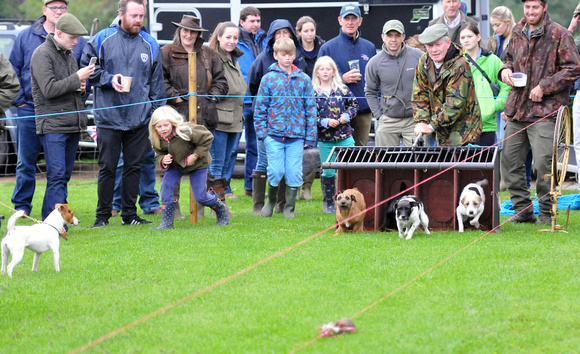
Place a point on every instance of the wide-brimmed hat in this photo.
(190, 23)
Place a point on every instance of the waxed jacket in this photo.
(26, 43)
(340, 102)
(230, 108)
(9, 87)
(135, 55)
(382, 75)
(448, 103)
(211, 81)
(199, 144)
(54, 87)
(285, 105)
(550, 60)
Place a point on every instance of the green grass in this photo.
(513, 291)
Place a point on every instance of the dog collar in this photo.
(57, 230)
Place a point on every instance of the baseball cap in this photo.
(46, 2)
(350, 9)
(393, 25)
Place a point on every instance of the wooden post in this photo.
(192, 64)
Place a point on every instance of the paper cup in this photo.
(520, 79)
(126, 83)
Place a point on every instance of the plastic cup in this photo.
(519, 79)
(354, 64)
(126, 83)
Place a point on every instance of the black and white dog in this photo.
(471, 204)
(410, 213)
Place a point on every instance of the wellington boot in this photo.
(221, 211)
(291, 194)
(268, 208)
(200, 211)
(259, 181)
(328, 190)
(306, 193)
(281, 196)
(167, 211)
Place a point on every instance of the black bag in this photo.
(494, 87)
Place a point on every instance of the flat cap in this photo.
(577, 10)
(433, 33)
(46, 2)
(393, 25)
(350, 9)
(69, 24)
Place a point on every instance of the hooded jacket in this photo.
(285, 105)
(26, 43)
(344, 48)
(489, 105)
(211, 80)
(550, 60)
(134, 55)
(382, 75)
(54, 87)
(260, 66)
(448, 102)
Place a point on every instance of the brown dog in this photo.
(350, 203)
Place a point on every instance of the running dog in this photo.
(471, 204)
(410, 213)
(38, 238)
(350, 203)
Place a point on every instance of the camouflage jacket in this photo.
(550, 59)
(449, 102)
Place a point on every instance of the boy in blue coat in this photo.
(285, 119)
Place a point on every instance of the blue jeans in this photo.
(221, 152)
(59, 152)
(251, 146)
(284, 160)
(197, 179)
(28, 149)
(148, 196)
(262, 164)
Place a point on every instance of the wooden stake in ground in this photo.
(192, 64)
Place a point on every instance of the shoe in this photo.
(167, 221)
(99, 223)
(231, 196)
(114, 213)
(544, 220)
(248, 193)
(153, 212)
(135, 221)
(524, 217)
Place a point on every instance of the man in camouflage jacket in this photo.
(444, 98)
(546, 53)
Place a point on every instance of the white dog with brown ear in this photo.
(471, 204)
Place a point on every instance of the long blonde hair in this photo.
(170, 114)
(326, 60)
(504, 14)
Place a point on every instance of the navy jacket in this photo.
(135, 55)
(26, 43)
(343, 48)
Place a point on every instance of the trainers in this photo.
(99, 223)
(544, 220)
(135, 221)
(524, 218)
(114, 213)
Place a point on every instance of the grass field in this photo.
(137, 290)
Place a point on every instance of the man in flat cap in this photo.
(28, 147)
(391, 72)
(58, 87)
(351, 53)
(444, 100)
(576, 106)
(124, 49)
(546, 53)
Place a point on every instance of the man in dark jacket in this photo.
(124, 50)
(58, 86)
(351, 53)
(546, 53)
(28, 147)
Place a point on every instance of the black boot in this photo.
(268, 208)
(281, 196)
(167, 211)
(328, 191)
(291, 194)
(221, 211)
(259, 180)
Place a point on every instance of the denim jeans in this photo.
(262, 164)
(28, 148)
(59, 152)
(284, 160)
(197, 179)
(221, 152)
(148, 196)
(251, 146)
